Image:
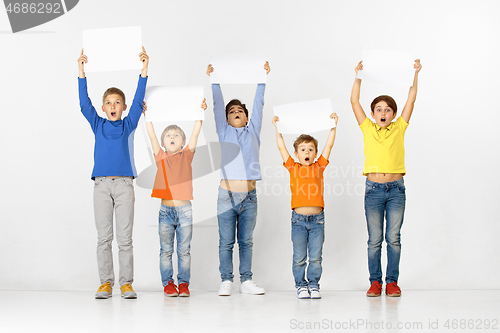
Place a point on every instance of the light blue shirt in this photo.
(240, 146)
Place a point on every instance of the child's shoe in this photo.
(314, 292)
(226, 288)
(303, 293)
(104, 291)
(171, 289)
(375, 289)
(184, 290)
(249, 287)
(128, 292)
(392, 290)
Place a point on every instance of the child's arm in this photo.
(151, 132)
(279, 140)
(83, 59)
(145, 62)
(359, 113)
(412, 95)
(196, 130)
(219, 107)
(258, 103)
(331, 138)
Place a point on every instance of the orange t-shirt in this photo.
(306, 182)
(174, 177)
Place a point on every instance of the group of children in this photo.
(239, 136)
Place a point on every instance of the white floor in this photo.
(277, 311)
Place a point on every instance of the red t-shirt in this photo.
(174, 177)
(306, 182)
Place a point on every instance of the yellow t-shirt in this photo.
(384, 147)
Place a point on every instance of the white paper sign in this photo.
(304, 117)
(174, 103)
(238, 68)
(112, 49)
(388, 67)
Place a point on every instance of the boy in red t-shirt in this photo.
(308, 217)
(173, 185)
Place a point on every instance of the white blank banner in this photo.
(174, 103)
(112, 49)
(238, 68)
(305, 117)
(388, 67)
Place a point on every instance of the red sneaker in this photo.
(170, 289)
(392, 290)
(184, 290)
(375, 290)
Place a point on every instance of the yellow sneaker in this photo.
(127, 291)
(105, 291)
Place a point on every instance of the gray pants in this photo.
(114, 194)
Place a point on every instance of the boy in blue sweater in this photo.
(113, 174)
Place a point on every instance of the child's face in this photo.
(172, 141)
(306, 153)
(383, 114)
(114, 107)
(236, 116)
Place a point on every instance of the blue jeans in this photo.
(384, 199)
(308, 235)
(175, 221)
(237, 215)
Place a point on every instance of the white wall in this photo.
(48, 238)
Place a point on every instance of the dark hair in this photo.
(236, 102)
(304, 138)
(173, 127)
(111, 91)
(388, 99)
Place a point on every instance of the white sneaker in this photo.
(225, 288)
(314, 292)
(303, 293)
(249, 287)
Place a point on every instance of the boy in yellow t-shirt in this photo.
(308, 217)
(384, 170)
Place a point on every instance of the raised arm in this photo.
(219, 107)
(331, 138)
(137, 104)
(151, 133)
(258, 103)
(359, 113)
(412, 94)
(279, 140)
(81, 61)
(196, 130)
(145, 62)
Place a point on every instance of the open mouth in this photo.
(172, 143)
(307, 159)
(382, 119)
(113, 114)
(237, 117)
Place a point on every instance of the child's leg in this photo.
(395, 208)
(227, 230)
(124, 198)
(247, 219)
(299, 240)
(103, 214)
(166, 231)
(374, 212)
(184, 232)
(315, 242)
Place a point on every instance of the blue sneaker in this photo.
(314, 292)
(303, 293)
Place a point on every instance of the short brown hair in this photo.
(304, 138)
(388, 99)
(111, 91)
(236, 102)
(173, 127)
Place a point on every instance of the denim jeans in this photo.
(237, 215)
(175, 221)
(308, 235)
(384, 199)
